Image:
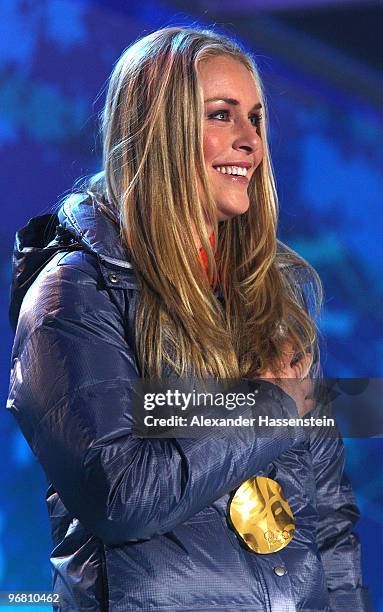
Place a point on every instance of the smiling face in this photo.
(231, 142)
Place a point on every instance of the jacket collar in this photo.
(84, 219)
(90, 226)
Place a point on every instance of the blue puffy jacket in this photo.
(140, 524)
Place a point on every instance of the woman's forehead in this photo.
(224, 77)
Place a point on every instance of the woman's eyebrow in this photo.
(232, 101)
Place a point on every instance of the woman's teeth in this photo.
(232, 170)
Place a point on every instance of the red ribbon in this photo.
(203, 252)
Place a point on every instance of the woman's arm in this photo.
(71, 393)
(339, 546)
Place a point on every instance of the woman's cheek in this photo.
(212, 146)
(259, 154)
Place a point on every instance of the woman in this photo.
(166, 266)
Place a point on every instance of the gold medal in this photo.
(261, 516)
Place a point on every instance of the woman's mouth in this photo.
(235, 174)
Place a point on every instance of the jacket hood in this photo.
(79, 224)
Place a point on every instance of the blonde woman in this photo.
(166, 265)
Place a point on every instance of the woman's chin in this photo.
(230, 210)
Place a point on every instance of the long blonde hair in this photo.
(153, 167)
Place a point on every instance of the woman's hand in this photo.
(293, 380)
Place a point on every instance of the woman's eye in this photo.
(224, 115)
(221, 115)
(256, 119)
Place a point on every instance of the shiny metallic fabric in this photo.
(261, 516)
(141, 524)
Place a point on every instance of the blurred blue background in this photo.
(322, 65)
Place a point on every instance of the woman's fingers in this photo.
(301, 367)
(293, 379)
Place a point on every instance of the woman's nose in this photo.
(246, 138)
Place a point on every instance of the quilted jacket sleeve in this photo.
(339, 546)
(71, 394)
